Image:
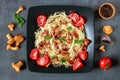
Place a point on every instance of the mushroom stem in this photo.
(8, 36)
(9, 47)
(20, 9)
(18, 43)
(10, 39)
(102, 48)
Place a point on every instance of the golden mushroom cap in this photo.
(11, 25)
(107, 29)
(18, 38)
(21, 8)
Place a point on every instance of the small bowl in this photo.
(107, 10)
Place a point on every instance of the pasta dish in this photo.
(57, 39)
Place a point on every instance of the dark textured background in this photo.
(8, 8)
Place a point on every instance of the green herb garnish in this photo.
(54, 56)
(62, 39)
(47, 37)
(77, 41)
(63, 60)
(20, 20)
(69, 28)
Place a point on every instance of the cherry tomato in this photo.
(43, 61)
(105, 63)
(34, 53)
(77, 65)
(83, 55)
(74, 17)
(77, 20)
(41, 19)
(80, 22)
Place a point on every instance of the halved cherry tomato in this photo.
(83, 55)
(74, 17)
(80, 22)
(77, 65)
(105, 63)
(41, 20)
(34, 53)
(77, 20)
(43, 61)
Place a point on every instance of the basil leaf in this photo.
(63, 60)
(69, 28)
(20, 20)
(62, 39)
(77, 41)
(47, 37)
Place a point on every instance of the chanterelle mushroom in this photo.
(17, 66)
(18, 39)
(102, 48)
(8, 36)
(9, 47)
(21, 8)
(10, 39)
(11, 26)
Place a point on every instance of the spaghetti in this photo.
(60, 39)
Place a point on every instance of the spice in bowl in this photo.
(107, 10)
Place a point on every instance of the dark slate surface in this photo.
(8, 8)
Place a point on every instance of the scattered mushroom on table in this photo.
(20, 9)
(17, 66)
(14, 42)
(18, 38)
(102, 48)
(11, 26)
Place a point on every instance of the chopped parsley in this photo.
(69, 28)
(47, 37)
(54, 56)
(61, 39)
(63, 60)
(77, 41)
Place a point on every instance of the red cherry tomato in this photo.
(83, 55)
(34, 53)
(43, 61)
(80, 22)
(77, 20)
(74, 17)
(105, 63)
(41, 19)
(77, 65)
